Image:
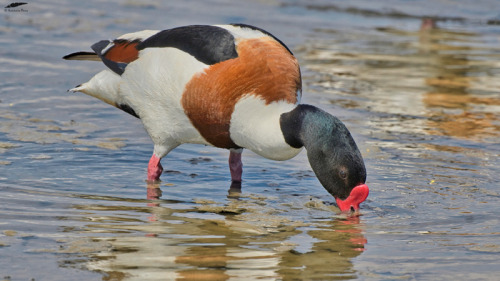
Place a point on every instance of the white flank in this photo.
(153, 86)
(256, 126)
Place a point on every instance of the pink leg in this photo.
(154, 168)
(235, 165)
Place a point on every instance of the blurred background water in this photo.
(415, 81)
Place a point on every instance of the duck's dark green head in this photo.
(332, 153)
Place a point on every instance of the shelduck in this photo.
(230, 86)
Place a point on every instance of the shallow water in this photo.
(422, 103)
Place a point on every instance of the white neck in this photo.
(255, 125)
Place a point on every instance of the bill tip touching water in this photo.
(230, 86)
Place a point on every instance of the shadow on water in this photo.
(242, 238)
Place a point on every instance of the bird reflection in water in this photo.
(458, 101)
(230, 246)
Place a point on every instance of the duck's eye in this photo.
(343, 174)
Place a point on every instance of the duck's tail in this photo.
(104, 86)
(82, 56)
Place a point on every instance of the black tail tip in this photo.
(72, 90)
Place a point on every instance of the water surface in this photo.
(420, 97)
